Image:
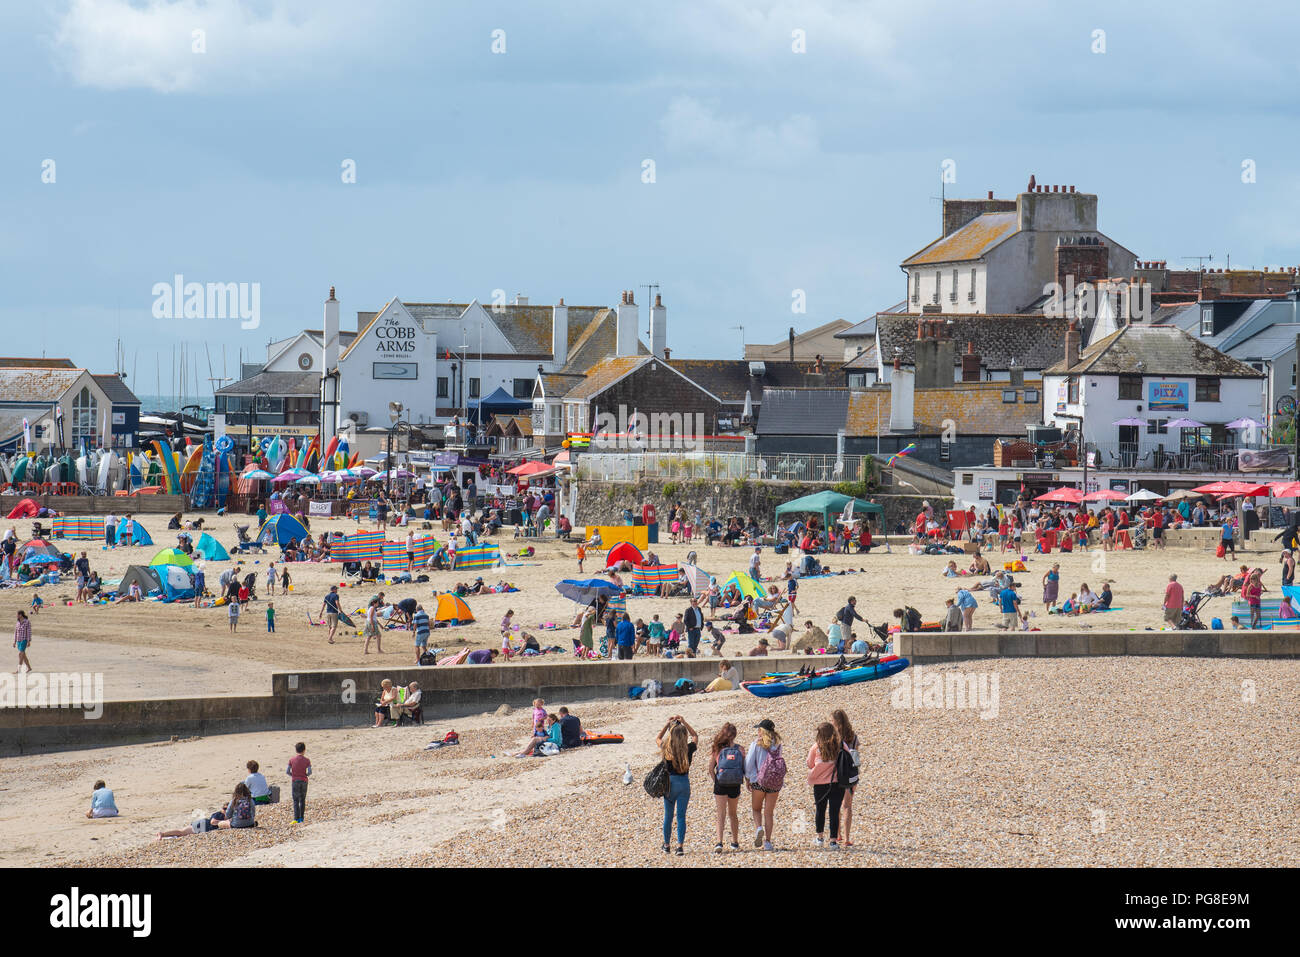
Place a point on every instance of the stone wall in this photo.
(103, 504)
(602, 503)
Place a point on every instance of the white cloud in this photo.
(116, 45)
(692, 127)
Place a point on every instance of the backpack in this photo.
(846, 770)
(731, 766)
(684, 686)
(656, 782)
(428, 658)
(771, 775)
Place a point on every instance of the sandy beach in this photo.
(133, 644)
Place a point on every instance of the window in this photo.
(1157, 426)
(857, 380)
(1207, 320)
(553, 424)
(473, 388)
(967, 478)
(1207, 389)
(1130, 387)
(85, 416)
(971, 295)
(523, 388)
(952, 296)
(916, 287)
(442, 387)
(1009, 396)
(938, 286)
(1072, 390)
(1031, 396)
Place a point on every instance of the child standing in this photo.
(506, 623)
(243, 595)
(270, 617)
(539, 716)
(234, 616)
(299, 770)
(270, 579)
(827, 791)
(284, 581)
(582, 554)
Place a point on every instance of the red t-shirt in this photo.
(1173, 595)
(298, 765)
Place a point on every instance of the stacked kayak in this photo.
(774, 686)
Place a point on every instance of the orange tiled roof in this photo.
(975, 408)
(970, 242)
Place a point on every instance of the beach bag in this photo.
(731, 766)
(273, 794)
(771, 776)
(684, 686)
(428, 658)
(1220, 551)
(656, 782)
(846, 769)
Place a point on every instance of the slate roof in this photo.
(116, 389)
(555, 385)
(970, 242)
(276, 384)
(604, 374)
(729, 379)
(802, 411)
(975, 408)
(18, 362)
(1162, 350)
(1035, 342)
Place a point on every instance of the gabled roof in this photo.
(970, 242)
(867, 327)
(1161, 350)
(604, 374)
(276, 383)
(599, 340)
(510, 426)
(779, 350)
(18, 362)
(975, 408)
(802, 411)
(730, 379)
(555, 385)
(1035, 342)
(116, 389)
(42, 384)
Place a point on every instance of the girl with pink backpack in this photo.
(765, 776)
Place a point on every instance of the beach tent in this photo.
(284, 528)
(25, 509)
(828, 505)
(171, 556)
(746, 585)
(138, 534)
(211, 549)
(453, 610)
(480, 556)
(624, 552)
(177, 582)
(147, 577)
(37, 551)
(646, 579)
(86, 528)
(697, 578)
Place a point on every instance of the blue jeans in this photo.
(678, 796)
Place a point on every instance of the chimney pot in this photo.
(331, 292)
(1072, 188)
(898, 363)
(659, 299)
(990, 194)
(561, 302)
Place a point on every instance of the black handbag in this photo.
(656, 782)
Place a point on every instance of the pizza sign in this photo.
(1167, 396)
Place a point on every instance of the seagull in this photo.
(627, 774)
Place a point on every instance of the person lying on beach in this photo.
(241, 812)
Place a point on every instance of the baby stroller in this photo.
(246, 544)
(1191, 619)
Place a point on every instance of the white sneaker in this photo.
(817, 842)
(758, 838)
(767, 846)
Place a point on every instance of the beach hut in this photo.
(138, 534)
(744, 584)
(171, 556)
(147, 578)
(480, 556)
(624, 552)
(26, 508)
(828, 505)
(453, 610)
(211, 549)
(283, 529)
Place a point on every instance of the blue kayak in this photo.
(826, 679)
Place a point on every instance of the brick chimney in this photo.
(1086, 258)
(936, 356)
(970, 364)
(1072, 344)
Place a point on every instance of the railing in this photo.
(710, 466)
(1168, 456)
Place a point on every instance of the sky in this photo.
(744, 155)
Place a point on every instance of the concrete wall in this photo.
(934, 648)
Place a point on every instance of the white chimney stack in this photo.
(627, 326)
(902, 396)
(331, 330)
(560, 333)
(658, 327)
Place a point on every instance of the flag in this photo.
(911, 447)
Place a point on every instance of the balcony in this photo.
(1159, 457)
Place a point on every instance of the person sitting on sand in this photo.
(1087, 600)
(241, 812)
(759, 650)
(101, 802)
(812, 638)
(554, 734)
(728, 678)
(257, 785)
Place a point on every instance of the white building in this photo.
(996, 256)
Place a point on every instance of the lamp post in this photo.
(395, 417)
(252, 417)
